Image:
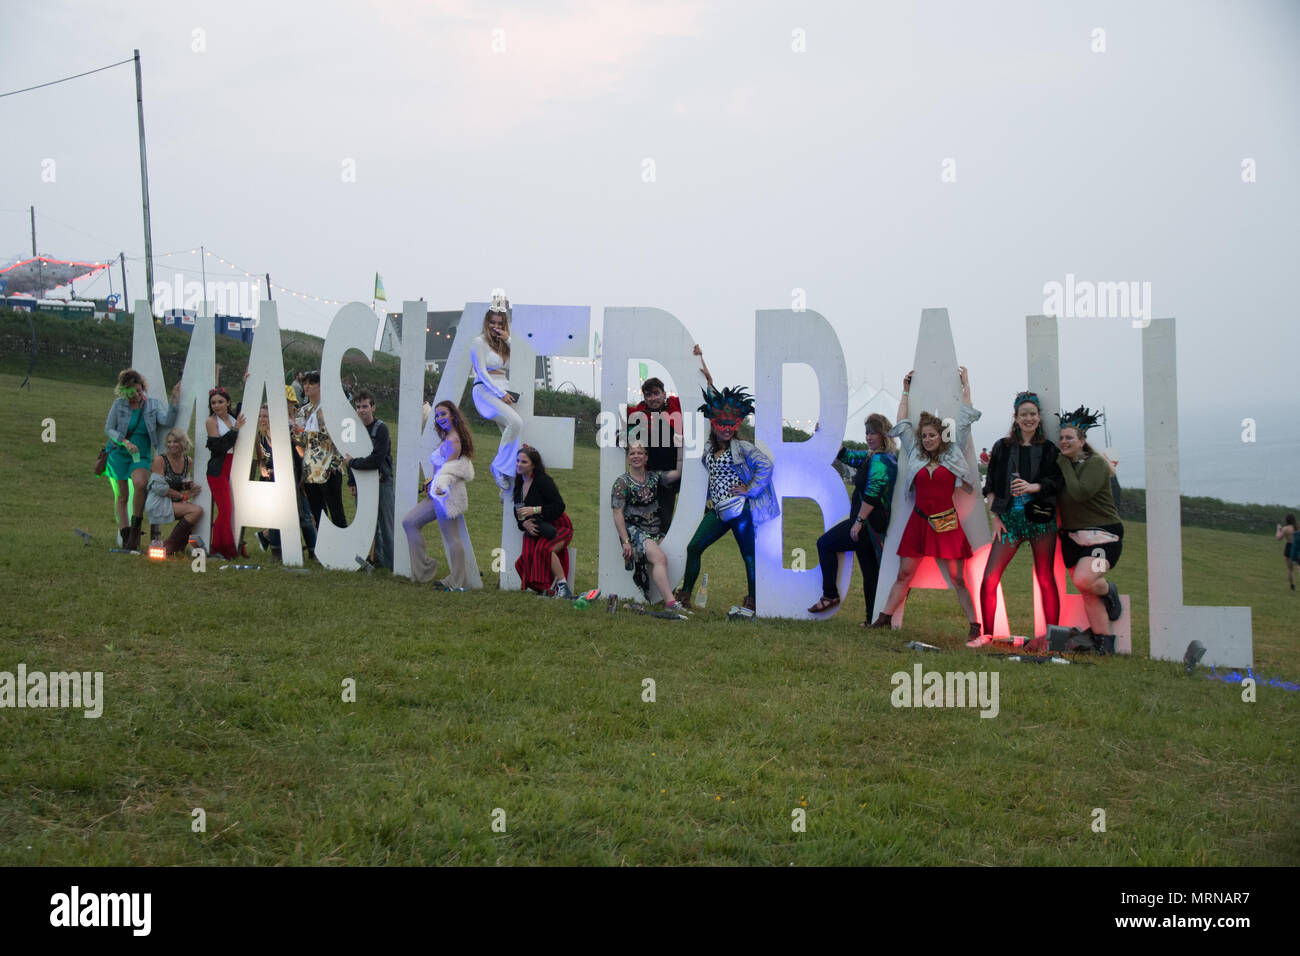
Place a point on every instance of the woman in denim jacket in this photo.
(935, 468)
(135, 427)
(740, 488)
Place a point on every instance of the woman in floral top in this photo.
(635, 500)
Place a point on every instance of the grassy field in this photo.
(223, 692)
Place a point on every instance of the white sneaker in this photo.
(562, 590)
(979, 641)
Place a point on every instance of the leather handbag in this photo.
(101, 463)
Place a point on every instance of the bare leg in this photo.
(658, 569)
(906, 571)
(957, 571)
(120, 494)
(1091, 585)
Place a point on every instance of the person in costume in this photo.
(223, 431)
(863, 531)
(935, 468)
(322, 465)
(1091, 534)
(446, 499)
(1020, 489)
(490, 357)
(1286, 533)
(740, 488)
(134, 428)
(635, 500)
(543, 563)
(172, 494)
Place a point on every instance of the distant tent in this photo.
(39, 274)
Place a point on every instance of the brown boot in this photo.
(883, 620)
(177, 540)
(121, 535)
(133, 537)
(683, 598)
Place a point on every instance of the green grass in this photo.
(223, 692)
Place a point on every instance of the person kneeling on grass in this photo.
(1091, 532)
(539, 511)
(171, 494)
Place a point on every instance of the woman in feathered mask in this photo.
(740, 488)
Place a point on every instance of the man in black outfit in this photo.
(380, 459)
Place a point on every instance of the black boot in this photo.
(177, 540)
(122, 532)
(133, 538)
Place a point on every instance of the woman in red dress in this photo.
(223, 430)
(935, 468)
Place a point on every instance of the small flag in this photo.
(642, 370)
(379, 288)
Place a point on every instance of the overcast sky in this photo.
(774, 169)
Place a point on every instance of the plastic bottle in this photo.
(702, 595)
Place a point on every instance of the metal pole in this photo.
(126, 299)
(203, 264)
(33, 232)
(144, 183)
(268, 287)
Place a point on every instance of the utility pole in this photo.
(40, 266)
(268, 287)
(33, 208)
(144, 184)
(126, 299)
(203, 265)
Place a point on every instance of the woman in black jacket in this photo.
(223, 430)
(1020, 489)
(539, 511)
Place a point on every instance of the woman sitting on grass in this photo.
(172, 494)
(637, 517)
(133, 425)
(1091, 532)
(539, 511)
(446, 499)
(935, 469)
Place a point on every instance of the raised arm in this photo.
(703, 367)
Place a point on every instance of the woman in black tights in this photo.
(1020, 489)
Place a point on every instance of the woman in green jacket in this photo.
(1091, 533)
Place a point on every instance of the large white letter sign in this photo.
(636, 334)
(354, 327)
(534, 330)
(197, 379)
(800, 469)
(936, 388)
(1045, 378)
(266, 504)
(1225, 631)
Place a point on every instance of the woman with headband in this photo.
(1020, 489)
(1091, 533)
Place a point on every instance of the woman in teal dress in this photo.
(132, 427)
